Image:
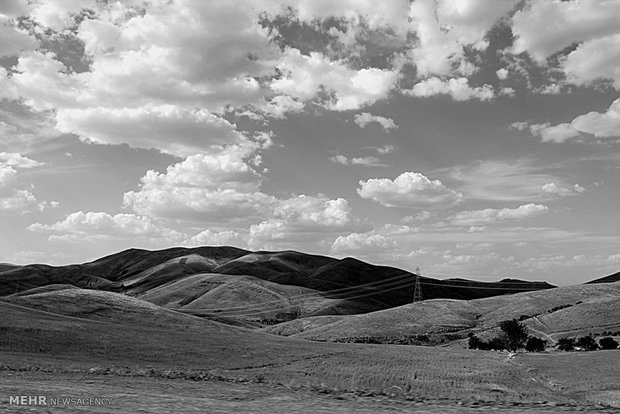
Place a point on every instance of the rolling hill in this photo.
(250, 288)
(551, 313)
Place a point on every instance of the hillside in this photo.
(249, 288)
(607, 279)
(571, 310)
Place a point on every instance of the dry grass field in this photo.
(74, 332)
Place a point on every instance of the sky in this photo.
(471, 138)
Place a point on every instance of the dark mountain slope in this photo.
(607, 279)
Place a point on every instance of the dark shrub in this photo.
(566, 344)
(608, 343)
(535, 344)
(515, 334)
(498, 343)
(474, 342)
(587, 343)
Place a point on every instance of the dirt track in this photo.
(153, 395)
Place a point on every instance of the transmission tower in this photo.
(417, 291)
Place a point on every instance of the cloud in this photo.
(562, 191)
(410, 190)
(367, 161)
(172, 129)
(492, 215)
(17, 160)
(214, 238)
(99, 225)
(511, 181)
(14, 196)
(597, 59)
(359, 243)
(386, 149)
(306, 76)
(601, 125)
(220, 185)
(554, 133)
(446, 28)
(13, 40)
(365, 118)
(598, 124)
(303, 219)
(502, 73)
(457, 88)
(573, 22)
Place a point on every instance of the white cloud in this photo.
(573, 21)
(562, 191)
(12, 39)
(444, 28)
(99, 225)
(502, 73)
(554, 133)
(409, 189)
(601, 125)
(493, 215)
(457, 88)
(595, 60)
(365, 118)
(386, 149)
(359, 243)
(421, 216)
(509, 181)
(17, 160)
(217, 238)
(173, 129)
(367, 161)
(307, 76)
(302, 219)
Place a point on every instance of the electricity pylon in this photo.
(417, 291)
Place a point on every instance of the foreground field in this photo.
(151, 395)
(53, 341)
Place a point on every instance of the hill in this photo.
(552, 313)
(607, 279)
(250, 288)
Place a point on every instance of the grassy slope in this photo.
(78, 330)
(589, 307)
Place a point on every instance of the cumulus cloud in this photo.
(99, 225)
(554, 133)
(457, 88)
(598, 124)
(562, 191)
(212, 186)
(216, 238)
(445, 28)
(493, 215)
(306, 76)
(359, 243)
(410, 189)
(574, 22)
(14, 196)
(303, 218)
(366, 118)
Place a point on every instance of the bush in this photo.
(608, 343)
(566, 344)
(515, 334)
(587, 343)
(474, 342)
(497, 344)
(535, 344)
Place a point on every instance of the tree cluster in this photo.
(586, 343)
(514, 336)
